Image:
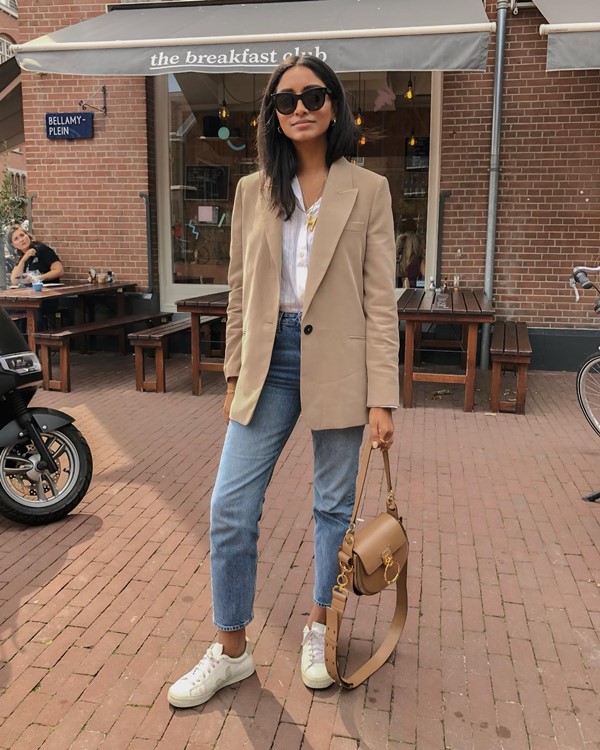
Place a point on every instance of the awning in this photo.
(11, 105)
(573, 33)
(351, 35)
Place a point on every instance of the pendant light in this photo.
(409, 94)
(412, 140)
(223, 111)
(359, 117)
(254, 118)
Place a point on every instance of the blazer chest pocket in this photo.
(355, 226)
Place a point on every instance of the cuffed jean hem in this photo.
(322, 604)
(232, 628)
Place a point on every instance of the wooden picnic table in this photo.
(466, 307)
(26, 299)
(214, 304)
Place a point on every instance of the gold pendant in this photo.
(310, 222)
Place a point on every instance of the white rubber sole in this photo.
(317, 684)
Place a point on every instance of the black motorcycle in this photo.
(45, 462)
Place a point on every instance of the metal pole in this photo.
(3, 282)
(444, 195)
(30, 198)
(146, 198)
(490, 245)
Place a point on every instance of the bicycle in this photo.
(588, 376)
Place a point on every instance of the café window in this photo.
(212, 145)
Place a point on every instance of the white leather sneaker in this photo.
(314, 671)
(214, 671)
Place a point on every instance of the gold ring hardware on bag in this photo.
(389, 562)
(349, 535)
(342, 579)
(390, 500)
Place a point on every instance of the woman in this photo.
(35, 257)
(312, 326)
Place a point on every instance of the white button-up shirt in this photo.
(296, 245)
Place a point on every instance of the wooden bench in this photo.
(61, 339)
(510, 348)
(155, 339)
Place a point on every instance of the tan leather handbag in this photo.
(372, 556)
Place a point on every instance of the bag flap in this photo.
(377, 535)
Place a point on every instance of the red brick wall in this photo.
(87, 206)
(9, 25)
(549, 202)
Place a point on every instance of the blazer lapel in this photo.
(336, 205)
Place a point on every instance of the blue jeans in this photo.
(247, 462)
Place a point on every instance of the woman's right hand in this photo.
(31, 253)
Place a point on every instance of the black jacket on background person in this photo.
(43, 259)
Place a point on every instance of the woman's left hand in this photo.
(381, 425)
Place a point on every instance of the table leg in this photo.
(31, 327)
(80, 318)
(120, 304)
(418, 343)
(195, 334)
(120, 313)
(471, 366)
(409, 353)
(465, 344)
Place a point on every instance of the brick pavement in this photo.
(99, 613)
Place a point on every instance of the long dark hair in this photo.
(276, 153)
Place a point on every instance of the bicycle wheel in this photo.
(588, 390)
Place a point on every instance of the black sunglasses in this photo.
(312, 98)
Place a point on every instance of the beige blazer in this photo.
(349, 355)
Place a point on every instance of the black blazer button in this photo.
(307, 330)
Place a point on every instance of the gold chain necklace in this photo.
(311, 219)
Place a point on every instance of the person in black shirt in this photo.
(37, 259)
(33, 257)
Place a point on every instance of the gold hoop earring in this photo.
(279, 130)
(333, 122)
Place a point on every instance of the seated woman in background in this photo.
(39, 260)
(34, 257)
(410, 256)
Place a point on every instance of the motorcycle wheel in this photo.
(33, 498)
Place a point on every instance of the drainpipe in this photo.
(30, 199)
(3, 282)
(490, 245)
(146, 198)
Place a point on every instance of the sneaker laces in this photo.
(206, 665)
(316, 646)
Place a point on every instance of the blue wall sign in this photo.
(69, 125)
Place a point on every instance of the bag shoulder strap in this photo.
(335, 612)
